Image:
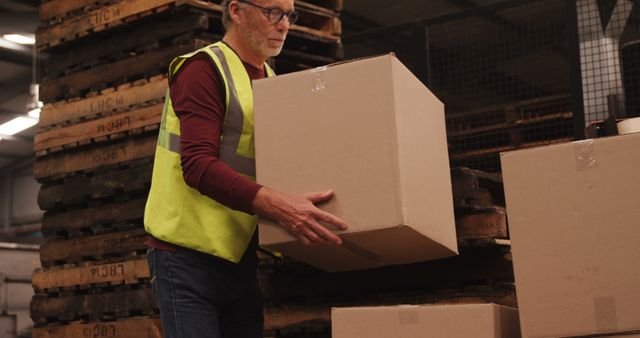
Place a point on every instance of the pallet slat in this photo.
(482, 225)
(120, 98)
(127, 328)
(59, 8)
(114, 273)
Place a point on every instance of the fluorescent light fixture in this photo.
(20, 39)
(17, 125)
(34, 113)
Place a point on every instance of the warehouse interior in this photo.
(537, 98)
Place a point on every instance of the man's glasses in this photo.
(274, 14)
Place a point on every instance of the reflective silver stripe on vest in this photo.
(232, 129)
(169, 141)
(174, 143)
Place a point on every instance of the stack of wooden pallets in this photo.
(103, 89)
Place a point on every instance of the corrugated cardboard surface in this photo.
(419, 321)
(574, 220)
(372, 132)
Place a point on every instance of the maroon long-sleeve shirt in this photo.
(198, 96)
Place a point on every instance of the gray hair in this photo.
(226, 17)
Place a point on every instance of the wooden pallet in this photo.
(504, 116)
(150, 33)
(122, 71)
(111, 155)
(98, 219)
(127, 302)
(79, 190)
(127, 123)
(324, 23)
(477, 137)
(507, 134)
(144, 327)
(90, 274)
(121, 98)
(95, 248)
(108, 16)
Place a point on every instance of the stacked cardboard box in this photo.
(103, 87)
(411, 321)
(574, 217)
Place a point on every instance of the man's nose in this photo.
(284, 24)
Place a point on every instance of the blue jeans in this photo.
(202, 296)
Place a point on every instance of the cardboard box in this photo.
(420, 321)
(370, 130)
(574, 221)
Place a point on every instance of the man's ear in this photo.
(234, 12)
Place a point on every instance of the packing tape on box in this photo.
(629, 126)
(606, 314)
(585, 154)
(318, 81)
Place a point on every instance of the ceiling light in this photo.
(20, 39)
(17, 125)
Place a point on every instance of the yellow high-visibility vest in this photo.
(179, 214)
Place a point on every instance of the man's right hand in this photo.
(298, 215)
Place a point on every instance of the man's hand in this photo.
(298, 215)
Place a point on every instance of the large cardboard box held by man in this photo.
(375, 134)
(420, 321)
(574, 221)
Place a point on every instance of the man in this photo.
(200, 211)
